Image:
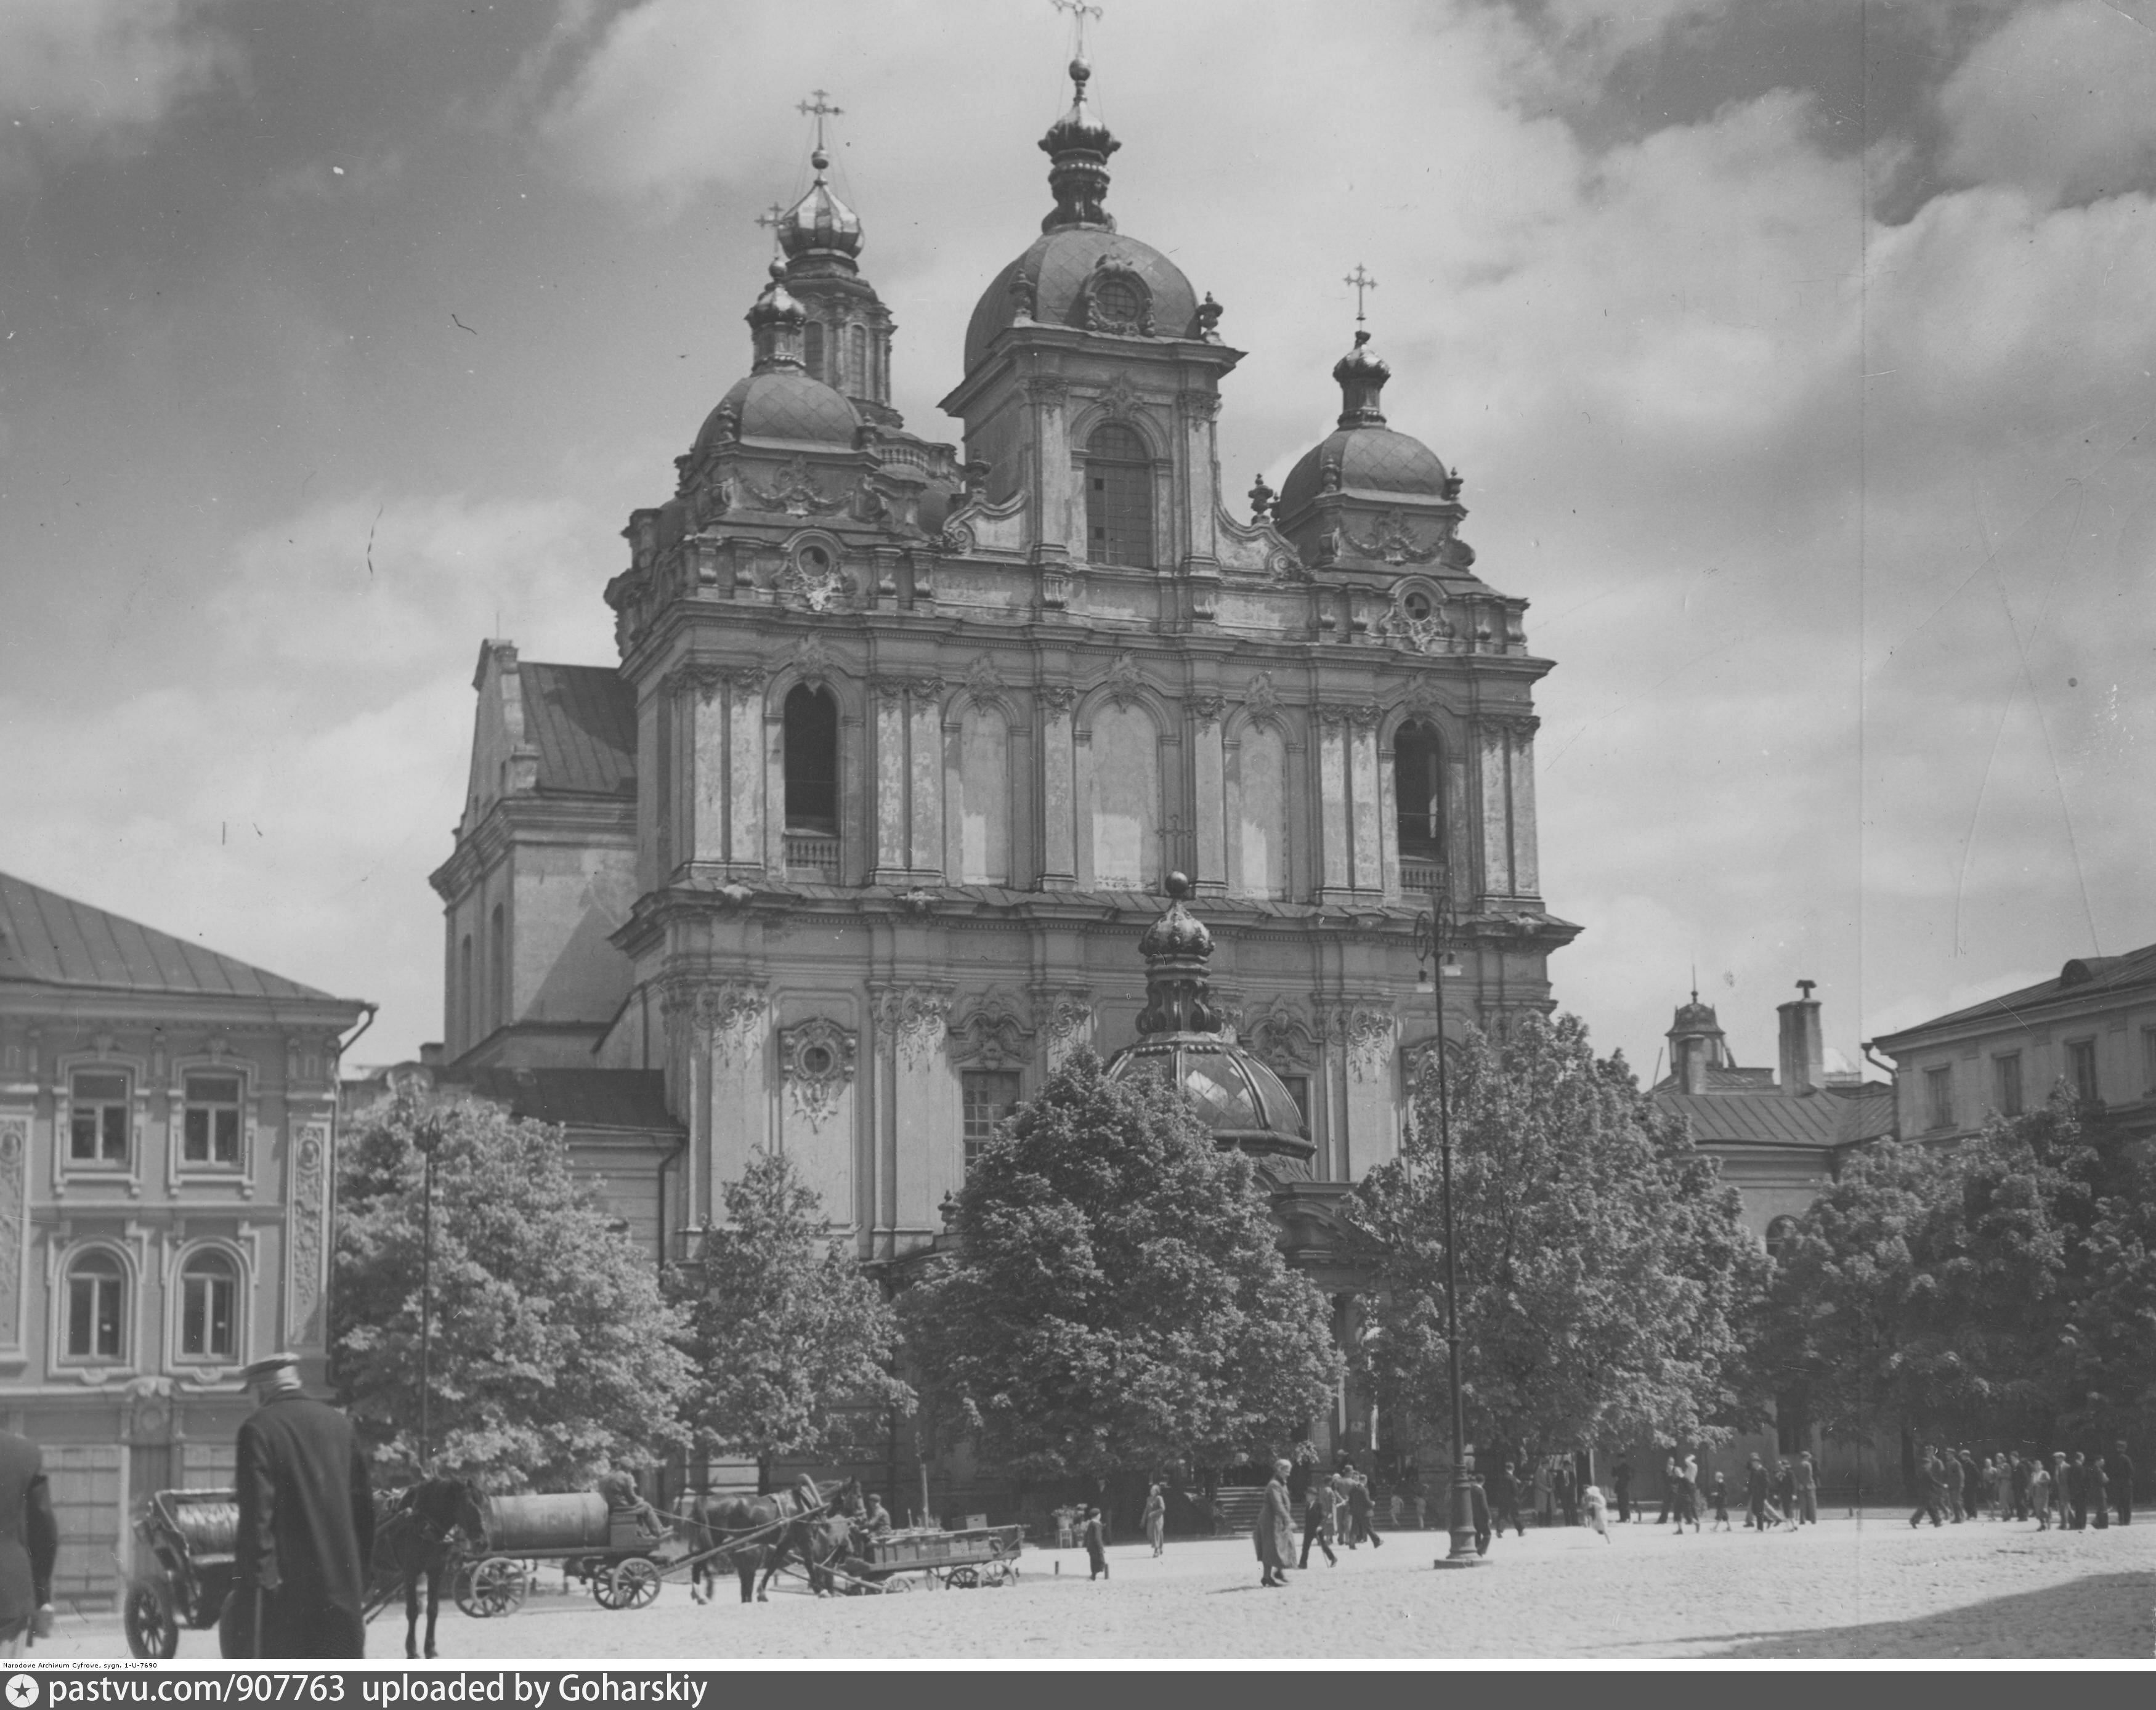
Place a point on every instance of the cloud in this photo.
(2059, 101)
(85, 71)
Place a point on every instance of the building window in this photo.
(857, 360)
(812, 348)
(96, 1307)
(209, 1306)
(2080, 1069)
(2006, 1083)
(1781, 1234)
(467, 1005)
(987, 1097)
(1938, 1098)
(812, 761)
(1418, 800)
(1119, 300)
(498, 947)
(210, 1122)
(2148, 1059)
(1118, 498)
(1298, 1089)
(97, 1118)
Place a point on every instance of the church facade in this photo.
(857, 841)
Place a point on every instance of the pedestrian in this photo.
(1568, 1490)
(1807, 1479)
(1478, 1510)
(30, 1545)
(1095, 1538)
(2121, 1483)
(1951, 1469)
(1722, 1501)
(1785, 1489)
(2098, 1481)
(2077, 1491)
(2017, 1476)
(1276, 1534)
(1669, 1490)
(1931, 1488)
(1317, 1521)
(2062, 1502)
(1755, 1495)
(1972, 1484)
(1545, 1493)
(1362, 1516)
(306, 1526)
(1620, 1481)
(1418, 1503)
(1156, 1519)
(1505, 1501)
(1688, 1492)
(2040, 1492)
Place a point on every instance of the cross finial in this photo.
(771, 217)
(821, 107)
(1363, 282)
(1080, 12)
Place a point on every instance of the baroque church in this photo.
(858, 839)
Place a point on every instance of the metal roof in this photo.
(579, 1098)
(48, 939)
(2081, 978)
(1832, 1117)
(583, 721)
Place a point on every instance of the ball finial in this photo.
(1080, 71)
(820, 160)
(1177, 885)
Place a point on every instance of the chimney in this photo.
(1691, 1070)
(1804, 1053)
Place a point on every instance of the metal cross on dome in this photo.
(1363, 282)
(1080, 12)
(821, 107)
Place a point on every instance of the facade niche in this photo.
(1118, 498)
(1419, 794)
(980, 788)
(811, 783)
(1126, 799)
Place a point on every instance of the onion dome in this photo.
(1363, 456)
(779, 402)
(1180, 1037)
(819, 225)
(1079, 273)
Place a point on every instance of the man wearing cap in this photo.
(30, 1545)
(306, 1524)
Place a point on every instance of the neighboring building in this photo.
(1779, 1138)
(2092, 1030)
(859, 840)
(167, 1128)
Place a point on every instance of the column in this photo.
(1209, 767)
(924, 768)
(707, 768)
(1369, 859)
(1497, 808)
(730, 1023)
(1053, 480)
(890, 780)
(1366, 1030)
(1526, 876)
(1335, 877)
(1059, 789)
(744, 769)
(911, 1032)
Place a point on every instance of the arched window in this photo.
(467, 999)
(812, 761)
(96, 1307)
(1781, 1236)
(498, 948)
(1258, 819)
(1118, 498)
(857, 359)
(1126, 799)
(1419, 802)
(209, 1307)
(812, 348)
(980, 787)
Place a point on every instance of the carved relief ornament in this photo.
(991, 1031)
(795, 493)
(1364, 1027)
(1282, 1035)
(911, 1018)
(816, 1061)
(1124, 682)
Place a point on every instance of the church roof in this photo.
(583, 721)
(2079, 980)
(1053, 275)
(785, 407)
(48, 939)
(1372, 460)
(580, 1098)
(1833, 1117)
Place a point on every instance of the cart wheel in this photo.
(152, 1629)
(996, 1573)
(636, 1582)
(601, 1583)
(964, 1578)
(494, 1587)
(898, 1582)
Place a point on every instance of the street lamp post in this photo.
(426, 1140)
(1432, 931)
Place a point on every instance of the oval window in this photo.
(1416, 605)
(816, 1059)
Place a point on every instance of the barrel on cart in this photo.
(615, 1553)
(984, 1555)
(185, 1542)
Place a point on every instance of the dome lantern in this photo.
(1078, 146)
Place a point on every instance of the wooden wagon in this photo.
(613, 1554)
(985, 1555)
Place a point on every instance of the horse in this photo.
(754, 1526)
(419, 1537)
(819, 1536)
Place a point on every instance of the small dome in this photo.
(1373, 462)
(819, 221)
(1237, 1097)
(1050, 284)
(783, 405)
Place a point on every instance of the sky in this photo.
(1797, 355)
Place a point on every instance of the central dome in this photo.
(783, 407)
(1053, 284)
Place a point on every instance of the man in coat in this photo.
(29, 1544)
(1505, 1500)
(1755, 1494)
(306, 1524)
(1317, 1520)
(1807, 1481)
(1620, 1476)
(1931, 1489)
(1276, 1535)
(1362, 1513)
(2121, 1483)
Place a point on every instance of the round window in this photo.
(1416, 604)
(816, 1059)
(1118, 299)
(815, 560)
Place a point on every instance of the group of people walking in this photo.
(1338, 1506)
(2077, 1491)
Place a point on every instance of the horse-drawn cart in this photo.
(612, 1552)
(984, 1555)
(185, 1541)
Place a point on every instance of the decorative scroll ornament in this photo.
(991, 1030)
(1366, 1030)
(812, 578)
(911, 1018)
(1418, 1062)
(1282, 1035)
(957, 539)
(1208, 708)
(1392, 540)
(1067, 1018)
(1117, 299)
(1421, 698)
(983, 681)
(1056, 698)
(813, 660)
(1416, 619)
(1123, 681)
(1261, 699)
(15, 1204)
(1121, 400)
(795, 493)
(731, 1014)
(1520, 727)
(310, 1214)
(816, 1060)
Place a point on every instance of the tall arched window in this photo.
(1419, 801)
(96, 1307)
(857, 359)
(467, 996)
(812, 784)
(209, 1307)
(1118, 498)
(812, 348)
(498, 949)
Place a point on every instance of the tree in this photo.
(553, 1351)
(792, 1345)
(1119, 1303)
(1604, 1274)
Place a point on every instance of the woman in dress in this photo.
(1156, 1519)
(1276, 1534)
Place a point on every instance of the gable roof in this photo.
(583, 721)
(2078, 980)
(1835, 1115)
(578, 1098)
(48, 939)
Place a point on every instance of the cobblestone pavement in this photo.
(1846, 1588)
